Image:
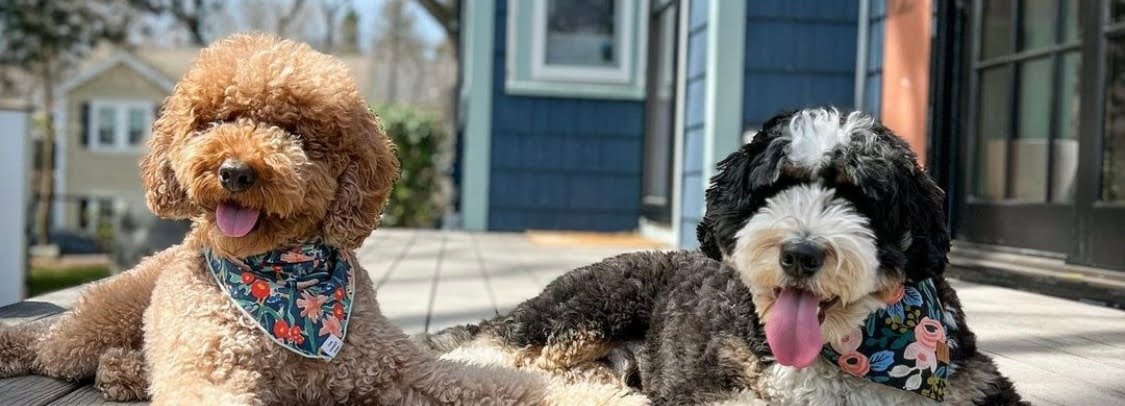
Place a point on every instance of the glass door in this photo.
(1101, 202)
(1045, 129)
(660, 108)
(1023, 144)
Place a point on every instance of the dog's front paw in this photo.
(121, 375)
(16, 355)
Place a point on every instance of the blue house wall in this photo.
(873, 75)
(798, 54)
(695, 81)
(561, 163)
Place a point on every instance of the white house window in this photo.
(581, 33)
(577, 47)
(581, 40)
(119, 125)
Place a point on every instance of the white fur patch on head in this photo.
(814, 133)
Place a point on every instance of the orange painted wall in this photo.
(906, 71)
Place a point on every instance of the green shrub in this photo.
(44, 280)
(418, 198)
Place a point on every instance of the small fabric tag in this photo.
(331, 346)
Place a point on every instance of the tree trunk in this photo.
(46, 160)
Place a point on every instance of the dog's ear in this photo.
(364, 186)
(928, 253)
(163, 193)
(708, 241)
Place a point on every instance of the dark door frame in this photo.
(660, 213)
(1101, 224)
(1097, 225)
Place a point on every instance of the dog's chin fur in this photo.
(850, 278)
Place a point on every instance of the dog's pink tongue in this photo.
(234, 220)
(793, 329)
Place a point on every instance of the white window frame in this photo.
(528, 74)
(622, 31)
(121, 125)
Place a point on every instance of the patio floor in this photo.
(1058, 352)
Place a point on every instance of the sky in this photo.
(426, 27)
(368, 11)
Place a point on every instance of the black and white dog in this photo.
(819, 282)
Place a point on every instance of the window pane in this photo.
(581, 32)
(1072, 31)
(993, 114)
(1035, 98)
(1113, 160)
(1029, 148)
(996, 29)
(1066, 142)
(107, 120)
(1037, 26)
(137, 126)
(1117, 10)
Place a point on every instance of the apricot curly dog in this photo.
(267, 147)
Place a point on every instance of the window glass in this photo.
(992, 131)
(1035, 98)
(996, 27)
(582, 33)
(1117, 10)
(1028, 151)
(1037, 23)
(107, 120)
(1113, 160)
(137, 127)
(1066, 142)
(1072, 29)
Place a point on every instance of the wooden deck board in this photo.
(34, 390)
(1058, 352)
(87, 395)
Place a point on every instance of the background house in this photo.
(611, 114)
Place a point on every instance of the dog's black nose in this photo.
(236, 175)
(801, 259)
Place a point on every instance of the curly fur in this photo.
(841, 182)
(325, 168)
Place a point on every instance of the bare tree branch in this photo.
(445, 14)
(287, 18)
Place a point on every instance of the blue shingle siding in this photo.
(562, 163)
(798, 53)
(873, 80)
(691, 208)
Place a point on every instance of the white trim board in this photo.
(477, 133)
(678, 122)
(722, 111)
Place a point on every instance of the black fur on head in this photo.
(874, 170)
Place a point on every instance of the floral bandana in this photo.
(300, 296)
(902, 345)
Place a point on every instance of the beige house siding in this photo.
(108, 174)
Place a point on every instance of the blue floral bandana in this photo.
(300, 296)
(902, 345)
